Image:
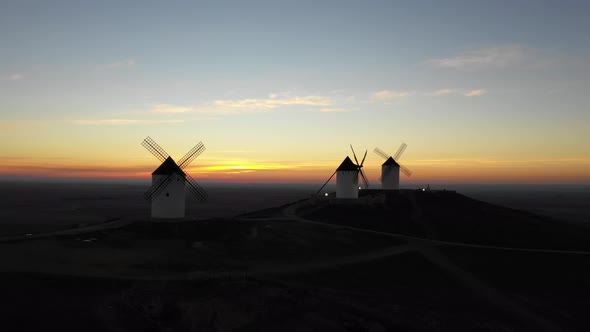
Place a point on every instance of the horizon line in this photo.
(121, 180)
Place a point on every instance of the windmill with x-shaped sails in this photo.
(170, 181)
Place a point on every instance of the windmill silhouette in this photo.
(347, 177)
(167, 193)
(390, 168)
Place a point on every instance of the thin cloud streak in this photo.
(117, 65)
(475, 93)
(124, 121)
(489, 58)
(209, 110)
(249, 105)
(170, 109)
(274, 102)
(466, 93)
(385, 95)
(13, 77)
(443, 92)
(333, 110)
(57, 170)
(236, 151)
(498, 162)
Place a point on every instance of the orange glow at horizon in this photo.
(424, 171)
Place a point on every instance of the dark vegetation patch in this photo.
(49, 303)
(410, 270)
(455, 217)
(517, 269)
(556, 285)
(227, 243)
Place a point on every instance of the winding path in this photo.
(427, 248)
(290, 214)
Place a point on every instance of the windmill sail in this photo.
(400, 151)
(191, 155)
(195, 189)
(381, 153)
(155, 149)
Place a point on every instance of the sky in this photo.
(481, 91)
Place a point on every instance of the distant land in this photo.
(85, 256)
(562, 201)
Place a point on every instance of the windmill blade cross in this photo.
(195, 189)
(405, 170)
(191, 155)
(325, 183)
(354, 154)
(365, 181)
(399, 152)
(381, 153)
(363, 161)
(155, 149)
(156, 188)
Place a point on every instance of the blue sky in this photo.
(294, 82)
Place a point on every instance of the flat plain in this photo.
(251, 258)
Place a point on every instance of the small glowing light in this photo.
(423, 189)
(359, 188)
(326, 194)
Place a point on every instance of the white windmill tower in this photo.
(390, 168)
(167, 193)
(347, 177)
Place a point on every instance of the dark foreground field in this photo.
(409, 261)
(29, 207)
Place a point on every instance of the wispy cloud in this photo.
(450, 91)
(443, 92)
(123, 121)
(488, 58)
(235, 151)
(274, 101)
(385, 95)
(475, 93)
(13, 77)
(498, 162)
(203, 109)
(50, 168)
(117, 65)
(333, 110)
(171, 109)
(249, 105)
(244, 166)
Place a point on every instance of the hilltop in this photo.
(447, 216)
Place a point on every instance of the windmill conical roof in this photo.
(169, 166)
(390, 162)
(347, 165)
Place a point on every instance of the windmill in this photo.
(390, 168)
(347, 177)
(169, 180)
